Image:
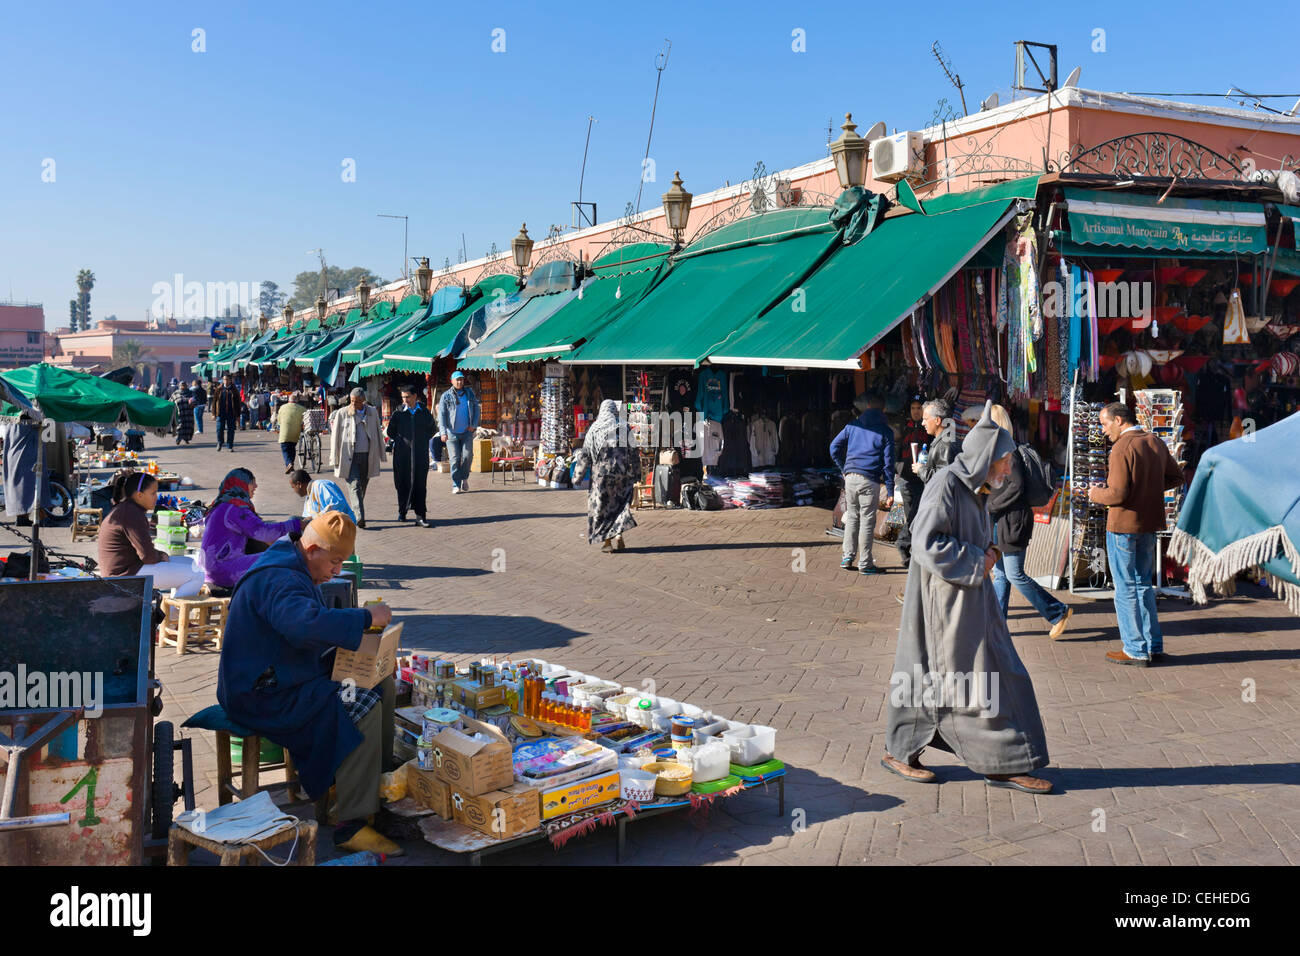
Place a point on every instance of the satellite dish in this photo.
(1073, 78)
(989, 103)
(876, 132)
(1292, 111)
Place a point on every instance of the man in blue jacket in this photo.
(458, 416)
(864, 452)
(274, 675)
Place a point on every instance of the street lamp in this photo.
(521, 247)
(850, 155)
(677, 209)
(263, 321)
(423, 279)
(320, 308)
(363, 295)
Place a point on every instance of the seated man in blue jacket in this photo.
(274, 675)
(864, 452)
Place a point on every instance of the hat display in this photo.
(335, 531)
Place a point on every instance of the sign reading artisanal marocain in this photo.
(1183, 225)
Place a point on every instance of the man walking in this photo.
(225, 408)
(356, 448)
(290, 422)
(958, 684)
(936, 419)
(912, 436)
(411, 428)
(458, 416)
(199, 398)
(1139, 471)
(864, 452)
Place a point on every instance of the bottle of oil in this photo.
(570, 713)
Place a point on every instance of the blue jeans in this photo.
(1132, 566)
(198, 419)
(459, 449)
(1010, 570)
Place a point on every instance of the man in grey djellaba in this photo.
(958, 684)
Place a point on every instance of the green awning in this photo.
(412, 303)
(618, 282)
(313, 325)
(532, 313)
(864, 290)
(352, 318)
(1121, 218)
(715, 286)
(418, 354)
(66, 395)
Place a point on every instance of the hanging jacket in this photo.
(734, 460)
(762, 442)
(789, 451)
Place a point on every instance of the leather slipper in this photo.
(1011, 784)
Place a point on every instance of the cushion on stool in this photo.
(214, 718)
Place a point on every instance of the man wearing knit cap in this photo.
(274, 676)
(958, 684)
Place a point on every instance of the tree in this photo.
(132, 353)
(72, 314)
(270, 299)
(306, 285)
(85, 282)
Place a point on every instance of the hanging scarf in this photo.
(234, 489)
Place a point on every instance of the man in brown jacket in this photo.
(1140, 470)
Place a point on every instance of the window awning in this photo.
(714, 286)
(619, 280)
(862, 291)
(1117, 218)
(418, 354)
(523, 320)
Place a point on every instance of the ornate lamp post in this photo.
(850, 155)
(363, 296)
(423, 279)
(677, 209)
(320, 308)
(521, 247)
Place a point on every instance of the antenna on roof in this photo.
(661, 63)
(946, 65)
(1025, 59)
(584, 213)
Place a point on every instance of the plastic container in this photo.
(637, 785)
(713, 786)
(671, 779)
(750, 744)
(768, 769)
(711, 761)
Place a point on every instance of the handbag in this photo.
(670, 456)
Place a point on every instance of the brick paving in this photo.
(1160, 765)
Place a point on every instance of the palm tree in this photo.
(132, 353)
(85, 282)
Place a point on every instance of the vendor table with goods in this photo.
(500, 755)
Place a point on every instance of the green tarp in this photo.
(65, 395)
(715, 285)
(527, 317)
(864, 290)
(412, 303)
(618, 282)
(1120, 218)
(417, 355)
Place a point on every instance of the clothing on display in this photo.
(708, 439)
(735, 457)
(762, 441)
(712, 397)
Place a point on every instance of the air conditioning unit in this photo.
(901, 156)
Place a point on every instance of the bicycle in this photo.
(309, 452)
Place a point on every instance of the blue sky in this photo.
(226, 165)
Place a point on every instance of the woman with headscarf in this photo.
(126, 543)
(234, 535)
(613, 478)
(184, 416)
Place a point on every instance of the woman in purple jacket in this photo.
(232, 525)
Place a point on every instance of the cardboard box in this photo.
(501, 814)
(481, 457)
(370, 663)
(467, 695)
(591, 792)
(473, 766)
(424, 787)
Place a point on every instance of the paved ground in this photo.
(746, 613)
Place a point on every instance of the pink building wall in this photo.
(22, 334)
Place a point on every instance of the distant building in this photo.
(22, 333)
(169, 352)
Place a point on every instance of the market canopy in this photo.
(323, 360)
(862, 291)
(713, 287)
(1121, 218)
(379, 333)
(418, 354)
(1243, 511)
(618, 281)
(526, 317)
(65, 395)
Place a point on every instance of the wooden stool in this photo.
(644, 495)
(91, 528)
(181, 841)
(195, 619)
(250, 763)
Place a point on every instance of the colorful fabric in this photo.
(235, 489)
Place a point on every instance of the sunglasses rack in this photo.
(1089, 455)
(1160, 411)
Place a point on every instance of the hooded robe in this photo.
(952, 627)
(276, 661)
